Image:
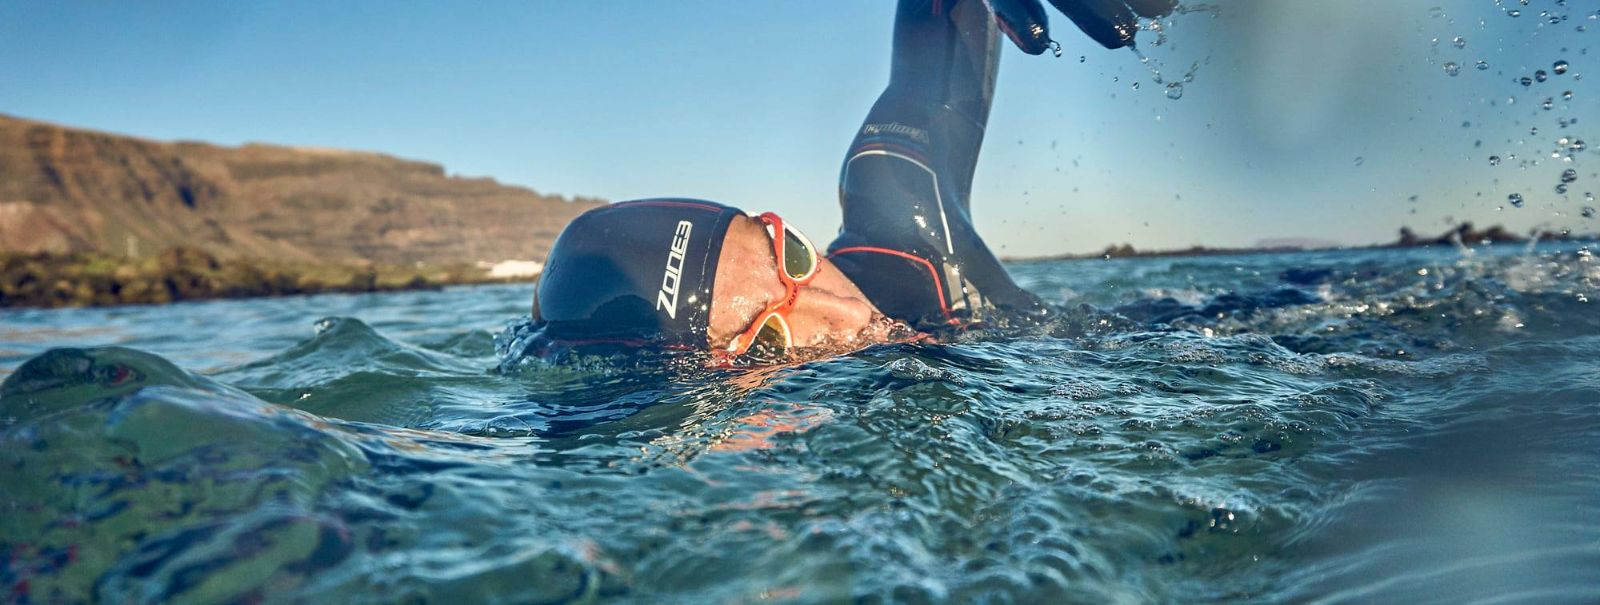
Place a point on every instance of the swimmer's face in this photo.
(830, 314)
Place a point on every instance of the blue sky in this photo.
(1304, 119)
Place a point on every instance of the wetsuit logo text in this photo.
(667, 299)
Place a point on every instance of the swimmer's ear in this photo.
(1025, 22)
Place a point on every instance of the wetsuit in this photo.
(907, 239)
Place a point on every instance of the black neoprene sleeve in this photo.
(907, 239)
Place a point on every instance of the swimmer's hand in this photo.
(1112, 23)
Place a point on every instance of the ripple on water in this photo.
(1369, 426)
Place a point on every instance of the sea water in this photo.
(1359, 426)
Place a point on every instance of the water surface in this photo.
(1359, 426)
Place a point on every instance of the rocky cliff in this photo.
(65, 190)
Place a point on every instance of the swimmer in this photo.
(698, 275)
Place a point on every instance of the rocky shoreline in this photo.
(44, 279)
(181, 273)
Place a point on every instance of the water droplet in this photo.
(1175, 91)
(1055, 47)
(1541, 76)
(1560, 67)
(1577, 145)
(1525, 81)
(1360, 160)
(1548, 103)
(1588, 211)
(1566, 96)
(1514, 13)
(1494, 160)
(1515, 199)
(1483, 65)
(1561, 189)
(1136, 86)
(1459, 42)
(1452, 68)
(1082, 58)
(1569, 175)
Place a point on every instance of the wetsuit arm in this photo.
(907, 239)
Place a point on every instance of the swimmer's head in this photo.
(690, 274)
(634, 271)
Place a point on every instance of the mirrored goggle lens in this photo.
(799, 257)
(771, 340)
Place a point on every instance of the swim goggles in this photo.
(797, 260)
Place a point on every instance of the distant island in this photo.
(88, 218)
(1463, 234)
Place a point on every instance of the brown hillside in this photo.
(68, 190)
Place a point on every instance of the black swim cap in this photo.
(636, 270)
